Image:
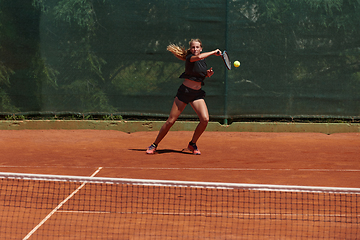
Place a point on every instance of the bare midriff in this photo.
(192, 84)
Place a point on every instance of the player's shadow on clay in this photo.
(162, 151)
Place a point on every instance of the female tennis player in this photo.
(189, 92)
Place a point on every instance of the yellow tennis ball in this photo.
(236, 64)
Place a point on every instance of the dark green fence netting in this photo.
(298, 58)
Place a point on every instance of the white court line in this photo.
(247, 169)
(215, 214)
(58, 207)
(199, 169)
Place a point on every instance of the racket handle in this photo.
(218, 52)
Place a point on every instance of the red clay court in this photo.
(303, 159)
(312, 159)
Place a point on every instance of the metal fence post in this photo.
(226, 71)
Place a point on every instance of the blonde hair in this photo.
(179, 51)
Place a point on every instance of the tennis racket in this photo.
(226, 59)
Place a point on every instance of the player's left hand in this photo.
(210, 72)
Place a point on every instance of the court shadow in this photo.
(162, 151)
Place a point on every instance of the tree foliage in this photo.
(91, 55)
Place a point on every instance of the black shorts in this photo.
(188, 95)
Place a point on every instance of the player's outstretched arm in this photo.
(216, 52)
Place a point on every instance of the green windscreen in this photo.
(298, 58)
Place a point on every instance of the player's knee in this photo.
(170, 122)
(204, 120)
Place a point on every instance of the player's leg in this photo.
(201, 110)
(176, 110)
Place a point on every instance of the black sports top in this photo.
(195, 71)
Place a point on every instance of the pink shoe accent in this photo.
(151, 149)
(194, 149)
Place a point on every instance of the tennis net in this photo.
(36, 206)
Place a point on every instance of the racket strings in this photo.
(227, 60)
